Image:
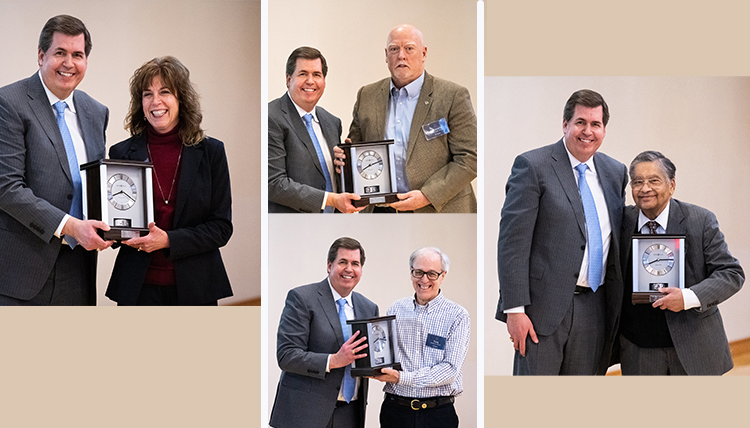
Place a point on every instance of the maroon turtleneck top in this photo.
(165, 154)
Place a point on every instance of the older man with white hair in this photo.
(433, 339)
(433, 126)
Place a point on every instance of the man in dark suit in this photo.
(314, 350)
(434, 166)
(557, 255)
(47, 130)
(301, 138)
(682, 332)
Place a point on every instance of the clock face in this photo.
(121, 191)
(369, 164)
(658, 259)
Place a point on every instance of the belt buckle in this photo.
(415, 401)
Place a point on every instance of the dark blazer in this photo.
(36, 188)
(542, 239)
(309, 331)
(442, 168)
(202, 224)
(295, 178)
(710, 271)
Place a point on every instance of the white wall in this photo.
(297, 256)
(218, 41)
(700, 123)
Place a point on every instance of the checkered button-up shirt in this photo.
(432, 344)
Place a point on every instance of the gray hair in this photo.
(665, 164)
(445, 262)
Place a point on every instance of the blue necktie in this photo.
(592, 228)
(348, 392)
(76, 208)
(329, 184)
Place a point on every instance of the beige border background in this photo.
(388, 241)
(149, 367)
(644, 38)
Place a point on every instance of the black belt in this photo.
(581, 289)
(420, 403)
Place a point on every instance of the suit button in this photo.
(575, 276)
(70, 197)
(583, 247)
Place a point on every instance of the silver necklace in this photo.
(177, 168)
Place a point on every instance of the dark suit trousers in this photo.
(346, 415)
(72, 281)
(393, 415)
(637, 361)
(575, 348)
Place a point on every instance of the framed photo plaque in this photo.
(368, 173)
(381, 341)
(120, 193)
(658, 262)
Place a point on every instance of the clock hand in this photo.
(374, 163)
(658, 260)
(122, 191)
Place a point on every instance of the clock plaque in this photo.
(368, 173)
(120, 193)
(658, 261)
(381, 340)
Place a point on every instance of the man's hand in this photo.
(410, 201)
(387, 374)
(343, 202)
(519, 325)
(84, 231)
(348, 352)
(155, 240)
(339, 156)
(672, 300)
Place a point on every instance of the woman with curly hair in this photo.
(178, 262)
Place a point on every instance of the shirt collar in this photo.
(575, 162)
(337, 296)
(432, 303)
(662, 218)
(302, 111)
(414, 88)
(52, 98)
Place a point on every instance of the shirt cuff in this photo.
(58, 231)
(328, 363)
(516, 310)
(325, 198)
(689, 299)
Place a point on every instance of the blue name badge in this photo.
(435, 129)
(436, 342)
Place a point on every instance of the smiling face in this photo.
(585, 132)
(405, 54)
(425, 288)
(307, 84)
(653, 189)
(160, 106)
(345, 272)
(64, 64)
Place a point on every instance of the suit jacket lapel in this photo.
(87, 130)
(298, 126)
(564, 172)
(676, 218)
(189, 164)
(329, 132)
(39, 104)
(325, 298)
(424, 103)
(611, 191)
(381, 103)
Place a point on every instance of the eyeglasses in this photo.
(652, 182)
(431, 275)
